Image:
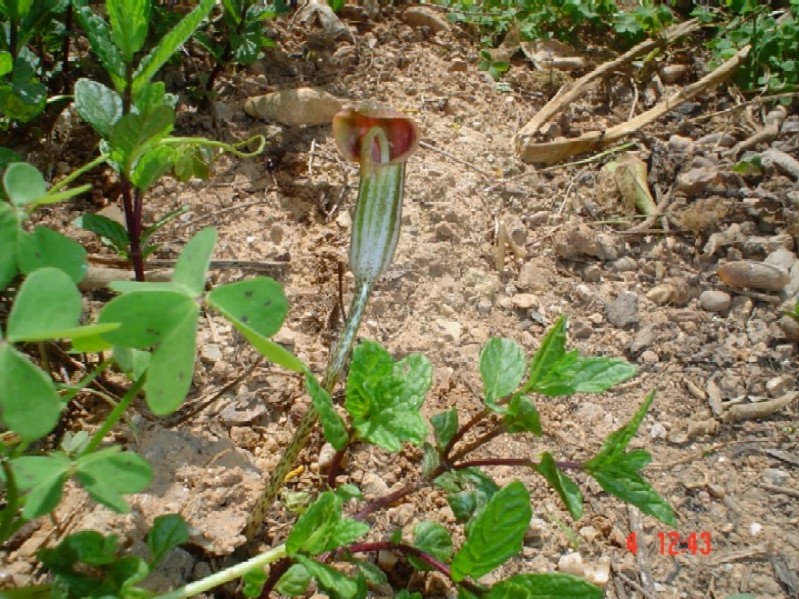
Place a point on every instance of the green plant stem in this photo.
(226, 575)
(114, 417)
(8, 522)
(78, 172)
(212, 143)
(73, 390)
(334, 371)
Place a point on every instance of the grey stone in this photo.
(623, 311)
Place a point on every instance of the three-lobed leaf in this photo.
(23, 183)
(46, 247)
(43, 477)
(496, 534)
(109, 473)
(192, 265)
(28, 398)
(33, 316)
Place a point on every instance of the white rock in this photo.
(303, 106)
(713, 300)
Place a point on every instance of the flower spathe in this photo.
(381, 140)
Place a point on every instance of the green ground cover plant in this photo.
(773, 63)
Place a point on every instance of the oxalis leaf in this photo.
(501, 368)
(109, 473)
(28, 398)
(45, 247)
(496, 533)
(544, 586)
(44, 478)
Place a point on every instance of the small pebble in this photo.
(779, 386)
(623, 311)
(714, 300)
(525, 301)
(775, 476)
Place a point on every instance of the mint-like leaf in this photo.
(496, 533)
(616, 470)
(322, 528)
(469, 491)
(552, 349)
(294, 581)
(544, 586)
(501, 369)
(522, 416)
(564, 486)
(432, 538)
(574, 374)
(336, 584)
(445, 425)
(383, 398)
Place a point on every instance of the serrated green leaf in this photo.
(333, 582)
(31, 407)
(552, 348)
(43, 477)
(168, 531)
(313, 531)
(252, 583)
(573, 374)
(23, 183)
(522, 416)
(430, 460)
(348, 491)
(544, 586)
(171, 367)
(383, 398)
(170, 44)
(129, 20)
(335, 430)
(46, 247)
(98, 105)
(135, 132)
(432, 538)
(564, 486)
(153, 164)
(192, 265)
(496, 533)
(616, 443)
(445, 425)
(33, 316)
(469, 491)
(294, 581)
(632, 488)
(373, 575)
(99, 36)
(6, 64)
(501, 369)
(109, 473)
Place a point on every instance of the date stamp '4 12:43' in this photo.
(674, 543)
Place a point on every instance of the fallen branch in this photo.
(572, 91)
(555, 151)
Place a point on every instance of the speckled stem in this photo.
(333, 373)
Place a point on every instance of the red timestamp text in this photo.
(674, 543)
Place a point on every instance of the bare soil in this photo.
(632, 295)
